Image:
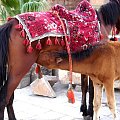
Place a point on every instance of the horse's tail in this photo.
(4, 42)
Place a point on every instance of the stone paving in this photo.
(32, 107)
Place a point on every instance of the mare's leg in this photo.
(109, 89)
(10, 110)
(91, 97)
(19, 64)
(2, 100)
(97, 100)
(3, 104)
(84, 88)
(15, 75)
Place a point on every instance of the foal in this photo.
(102, 58)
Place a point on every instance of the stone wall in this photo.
(71, 4)
(98, 2)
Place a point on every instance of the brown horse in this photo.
(16, 62)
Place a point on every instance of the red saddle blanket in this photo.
(81, 25)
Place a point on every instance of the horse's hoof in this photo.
(83, 109)
(87, 117)
(84, 117)
(13, 119)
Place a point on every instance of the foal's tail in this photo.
(4, 42)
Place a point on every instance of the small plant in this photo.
(38, 5)
(3, 13)
(14, 7)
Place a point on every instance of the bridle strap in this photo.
(102, 26)
(67, 46)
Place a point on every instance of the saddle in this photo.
(81, 25)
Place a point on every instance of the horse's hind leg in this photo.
(84, 88)
(2, 108)
(2, 100)
(10, 111)
(97, 100)
(3, 104)
(91, 97)
(109, 89)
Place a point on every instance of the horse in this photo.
(16, 59)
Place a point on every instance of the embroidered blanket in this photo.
(81, 25)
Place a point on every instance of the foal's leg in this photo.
(84, 88)
(109, 89)
(10, 111)
(97, 100)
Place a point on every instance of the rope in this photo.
(68, 47)
(70, 93)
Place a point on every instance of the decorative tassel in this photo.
(49, 42)
(22, 34)
(62, 42)
(70, 94)
(19, 27)
(114, 39)
(101, 36)
(26, 42)
(37, 69)
(117, 32)
(9, 18)
(57, 41)
(113, 35)
(30, 49)
(38, 46)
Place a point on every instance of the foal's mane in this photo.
(110, 12)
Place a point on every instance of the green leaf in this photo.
(3, 14)
(14, 7)
(33, 5)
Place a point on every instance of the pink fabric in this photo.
(81, 25)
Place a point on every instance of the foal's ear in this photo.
(58, 60)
